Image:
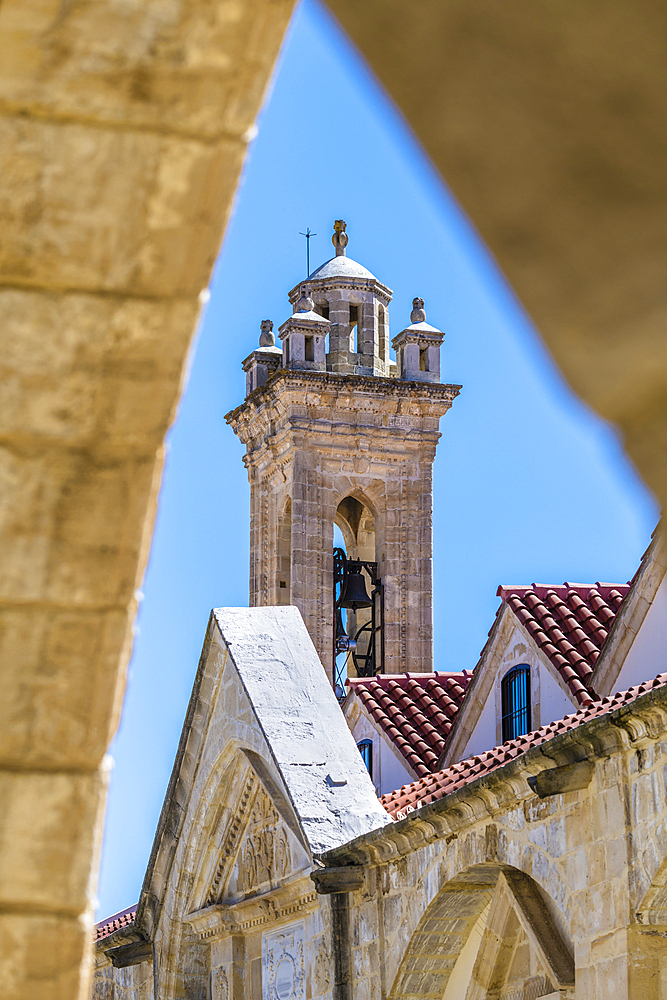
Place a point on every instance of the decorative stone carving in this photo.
(266, 854)
(267, 337)
(219, 985)
(417, 315)
(304, 302)
(340, 237)
(232, 837)
(283, 970)
(282, 855)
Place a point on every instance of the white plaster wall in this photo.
(393, 772)
(389, 770)
(549, 700)
(483, 736)
(647, 656)
(554, 703)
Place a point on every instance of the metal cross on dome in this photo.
(309, 237)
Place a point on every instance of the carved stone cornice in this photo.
(383, 292)
(222, 919)
(636, 726)
(285, 380)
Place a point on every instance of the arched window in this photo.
(382, 331)
(355, 329)
(366, 750)
(284, 552)
(515, 689)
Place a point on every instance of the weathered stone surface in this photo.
(155, 232)
(314, 440)
(308, 737)
(49, 826)
(490, 885)
(197, 69)
(122, 134)
(57, 711)
(81, 370)
(43, 956)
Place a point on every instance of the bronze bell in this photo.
(355, 595)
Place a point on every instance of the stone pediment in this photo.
(268, 853)
(251, 798)
(253, 850)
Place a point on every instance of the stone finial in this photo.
(304, 302)
(417, 315)
(340, 237)
(267, 336)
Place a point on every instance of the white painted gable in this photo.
(390, 769)
(550, 697)
(266, 776)
(647, 656)
(295, 706)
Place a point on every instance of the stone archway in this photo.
(517, 945)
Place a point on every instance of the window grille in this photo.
(366, 750)
(515, 690)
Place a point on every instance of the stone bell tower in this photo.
(337, 432)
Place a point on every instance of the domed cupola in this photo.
(356, 305)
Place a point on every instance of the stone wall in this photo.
(123, 133)
(595, 856)
(311, 441)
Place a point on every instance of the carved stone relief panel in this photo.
(232, 837)
(219, 985)
(265, 856)
(283, 970)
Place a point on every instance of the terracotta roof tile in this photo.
(570, 624)
(111, 924)
(416, 711)
(432, 787)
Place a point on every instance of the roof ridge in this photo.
(570, 622)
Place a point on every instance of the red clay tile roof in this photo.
(569, 624)
(416, 711)
(111, 924)
(437, 786)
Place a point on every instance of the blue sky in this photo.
(528, 484)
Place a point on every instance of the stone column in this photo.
(312, 547)
(339, 337)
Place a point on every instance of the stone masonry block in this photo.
(74, 524)
(92, 372)
(164, 66)
(41, 956)
(56, 710)
(155, 231)
(47, 833)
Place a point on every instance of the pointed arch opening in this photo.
(358, 622)
(284, 552)
(487, 933)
